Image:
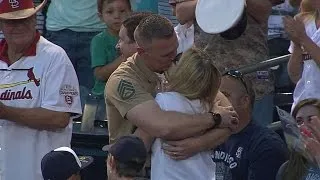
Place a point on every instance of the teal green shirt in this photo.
(145, 5)
(103, 52)
(76, 15)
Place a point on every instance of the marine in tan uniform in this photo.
(131, 84)
(130, 90)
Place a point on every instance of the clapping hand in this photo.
(295, 29)
(312, 138)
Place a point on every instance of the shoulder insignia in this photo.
(126, 89)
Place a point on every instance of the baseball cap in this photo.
(62, 163)
(219, 16)
(128, 150)
(19, 9)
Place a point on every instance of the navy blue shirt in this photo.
(256, 153)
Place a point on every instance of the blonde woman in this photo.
(192, 89)
(304, 165)
(303, 66)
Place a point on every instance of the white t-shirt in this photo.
(185, 37)
(309, 84)
(197, 167)
(47, 80)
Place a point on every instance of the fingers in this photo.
(313, 147)
(175, 156)
(288, 22)
(217, 103)
(298, 19)
(315, 127)
(178, 158)
(235, 121)
(288, 19)
(234, 114)
(168, 147)
(306, 132)
(174, 152)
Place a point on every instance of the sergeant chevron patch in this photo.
(126, 89)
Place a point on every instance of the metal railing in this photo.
(264, 64)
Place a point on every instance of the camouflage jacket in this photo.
(250, 48)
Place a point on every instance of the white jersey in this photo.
(199, 167)
(309, 84)
(47, 80)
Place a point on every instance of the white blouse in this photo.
(309, 84)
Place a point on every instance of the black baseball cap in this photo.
(128, 150)
(62, 163)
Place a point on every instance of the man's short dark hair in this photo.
(133, 21)
(153, 27)
(101, 2)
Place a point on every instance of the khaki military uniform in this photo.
(130, 85)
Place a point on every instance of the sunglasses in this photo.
(238, 75)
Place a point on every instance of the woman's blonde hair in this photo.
(196, 77)
(306, 9)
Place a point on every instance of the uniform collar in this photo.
(31, 51)
(150, 75)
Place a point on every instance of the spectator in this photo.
(303, 66)
(185, 33)
(303, 164)
(126, 158)
(104, 56)
(126, 43)
(39, 93)
(131, 89)
(278, 43)
(239, 52)
(72, 24)
(183, 96)
(253, 152)
(63, 163)
(40, 19)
